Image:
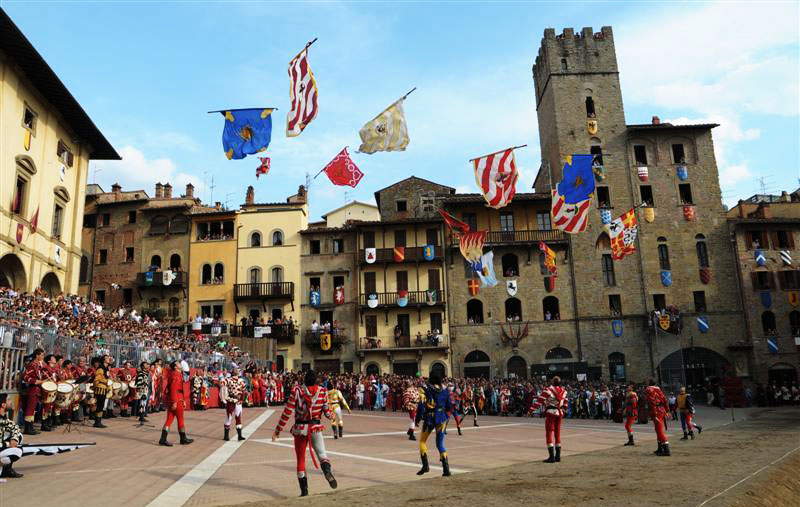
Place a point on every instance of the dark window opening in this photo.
(132, 217)
(255, 239)
(277, 238)
(762, 280)
(314, 282)
(90, 221)
(475, 311)
(659, 302)
(159, 225)
(783, 239)
(678, 156)
(58, 215)
(789, 279)
(550, 308)
(106, 219)
(608, 271)
(219, 272)
(100, 296)
(83, 275)
(19, 196)
(179, 225)
(702, 254)
(174, 262)
(205, 277)
(590, 108)
(640, 154)
(369, 239)
(663, 256)
(436, 323)
(127, 297)
(314, 245)
(603, 197)
(400, 237)
(64, 153)
(699, 301)
(558, 353)
(597, 155)
(685, 190)
(401, 278)
(471, 219)
(338, 245)
(369, 282)
(646, 193)
(29, 120)
(794, 322)
(434, 280)
(402, 205)
(768, 324)
(103, 257)
(564, 67)
(129, 254)
(338, 281)
(615, 304)
(510, 265)
(432, 237)
(155, 262)
(513, 308)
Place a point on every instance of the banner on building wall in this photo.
(370, 255)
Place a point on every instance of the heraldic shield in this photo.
(705, 275)
(794, 297)
(549, 283)
(759, 256)
(616, 328)
(649, 213)
(370, 254)
(591, 127)
(399, 253)
(683, 173)
(473, 286)
(372, 299)
(702, 323)
(325, 341)
(511, 287)
(402, 298)
(766, 299)
(663, 322)
(428, 252)
(666, 277)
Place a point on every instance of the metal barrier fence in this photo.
(17, 341)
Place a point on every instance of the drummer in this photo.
(65, 374)
(33, 377)
(51, 376)
(78, 372)
(125, 376)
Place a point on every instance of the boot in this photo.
(665, 451)
(410, 434)
(699, 429)
(558, 453)
(124, 413)
(29, 429)
(227, 436)
(110, 414)
(630, 439)
(335, 433)
(98, 421)
(303, 481)
(425, 468)
(76, 416)
(691, 434)
(660, 450)
(55, 421)
(341, 431)
(445, 467)
(459, 431)
(326, 471)
(46, 424)
(184, 439)
(475, 423)
(141, 416)
(552, 458)
(685, 436)
(163, 440)
(239, 433)
(8, 471)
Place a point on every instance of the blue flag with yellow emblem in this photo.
(577, 182)
(247, 131)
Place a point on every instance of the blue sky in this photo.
(147, 72)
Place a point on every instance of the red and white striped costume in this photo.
(410, 402)
(308, 404)
(232, 392)
(554, 400)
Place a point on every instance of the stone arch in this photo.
(175, 261)
(206, 274)
(62, 193)
(277, 237)
(25, 163)
(517, 366)
(155, 261)
(477, 365)
(707, 366)
(440, 367)
(550, 304)
(255, 239)
(557, 353)
(12, 273)
(616, 366)
(513, 308)
(372, 368)
(603, 242)
(51, 284)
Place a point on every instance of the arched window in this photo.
(616, 366)
(159, 225)
(558, 352)
(590, 107)
(477, 356)
(155, 262)
(255, 275)
(373, 369)
(154, 304)
(205, 276)
(550, 308)
(510, 265)
(513, 309)
(219, 272)
(277, 238)
(768, 324)
(277, 274)
(439, 368)
(596, 151)
(794, 322)
(475, 311)
(663, 253)
(517, 367)
(179, 225)
(702, 251)
(83, 276)
(174, 262)
(174, 308)
(255, 239)
(603, 242)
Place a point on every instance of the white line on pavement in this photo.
(388, 433)
(182, 490)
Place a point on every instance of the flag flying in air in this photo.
(571, 218)
(386, 132)
(623, 234)
(496, 176)
(470, 242)
(343, 171)
(247, 131)
(263, 168)
(485, 270)
(549, 258)
(577, 182)
(303, 94)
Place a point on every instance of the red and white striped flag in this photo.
(303, 94)
(571, 218)
(496, 176)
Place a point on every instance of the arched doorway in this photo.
(477, 365)
(692, 367)
(782, 374)
(51, 285)
(12, 273)
(373, 369)
(517, 367)
(280, 363)
(616, 366)
(439, 368)
(557, 353)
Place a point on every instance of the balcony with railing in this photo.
(312, 338)
(284, 333)
(410, 254)
(267, 290)
(414, 298)
(520, 237)
(156, 279)
(390, 343)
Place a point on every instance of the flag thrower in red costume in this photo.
(658, 409)
(308, 403)
(630, 411)
(554, 399)
(175, 404)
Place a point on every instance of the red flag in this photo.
(343, 171)
(473, 286)
(263, 168)
(399, 253)
(496, 176)
(453, 222)
(303, 93)
(20, 230)
(35, 220)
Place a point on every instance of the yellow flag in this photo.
(387, 132)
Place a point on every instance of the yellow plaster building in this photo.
(212, 263)
(352, 211)
(46, 142)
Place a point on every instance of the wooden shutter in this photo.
(369, 282)
(765, 240)
(771, 280)
(782, 278)
(773, 235)
(748, 240)
(433, 279)
(790, 238)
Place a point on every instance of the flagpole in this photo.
(242, 109)
(308, 45)
(407, 94)
(499, 151)
(323, 169)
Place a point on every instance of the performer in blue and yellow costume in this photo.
(433, 408)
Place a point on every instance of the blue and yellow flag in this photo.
(247, 131)
(577, 183)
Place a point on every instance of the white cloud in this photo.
(465, 189)
(733, 174)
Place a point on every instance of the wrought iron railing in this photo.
(264, 290)
(413, 298)
(403, 342)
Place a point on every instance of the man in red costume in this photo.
(659, 407)
(554, 399)
(630, 410)
(175, 405)
(307, 403)
(33, 377)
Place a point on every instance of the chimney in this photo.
(785, 196)
(656, 120)
(116, 189)
(167, 191)
(190, 191)
(218, 205)
(159, 190)
(250, 198)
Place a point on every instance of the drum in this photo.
(49, 390)
(116, 390)
(125, 390)
(64, 395)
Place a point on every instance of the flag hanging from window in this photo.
(485, 270)
(302, 93)
(35, 220)
(549, 258)
(496, 176)
(343, 171)
(623, 235)
(263, 168)
(386, 132)
(247, 131)
(470, 242)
